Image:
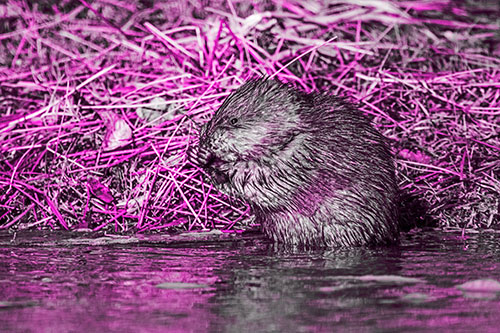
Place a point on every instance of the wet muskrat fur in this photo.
(313, 169)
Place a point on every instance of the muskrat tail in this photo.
(413, 212)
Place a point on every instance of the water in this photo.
(59, 283)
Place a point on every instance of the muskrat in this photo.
(313, 169)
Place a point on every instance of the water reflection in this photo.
(248, 285)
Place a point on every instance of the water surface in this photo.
(51, 282)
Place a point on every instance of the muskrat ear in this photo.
(288, 140)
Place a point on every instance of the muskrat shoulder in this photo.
(311, 166)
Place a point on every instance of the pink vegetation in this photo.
(100, 102)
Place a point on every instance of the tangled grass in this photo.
(101, 100)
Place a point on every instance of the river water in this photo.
(62, 282)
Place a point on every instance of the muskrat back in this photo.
(311, 166)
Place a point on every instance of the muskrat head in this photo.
(254, 123)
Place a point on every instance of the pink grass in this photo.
(101, 102)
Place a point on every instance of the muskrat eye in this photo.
(233, 121)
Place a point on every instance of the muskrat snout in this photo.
(206, 156)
